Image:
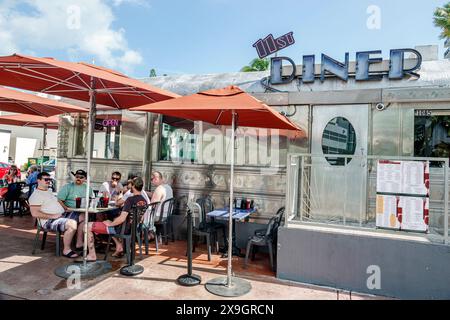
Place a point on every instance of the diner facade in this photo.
(407, 116)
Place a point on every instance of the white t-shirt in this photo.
(168, 194)
(106, 186)
(129, 194)
(48, 202)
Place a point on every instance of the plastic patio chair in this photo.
(164, 221)
(44, 238)
(147, 227)
(263, 240)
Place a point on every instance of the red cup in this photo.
(78, 202)
(105, 202)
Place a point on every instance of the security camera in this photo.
(380, 106)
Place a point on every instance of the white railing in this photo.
(344, 195)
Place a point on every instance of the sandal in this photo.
(71, 254)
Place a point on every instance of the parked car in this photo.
(50, 165)
(4, 167)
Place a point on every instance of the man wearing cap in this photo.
(76, 189)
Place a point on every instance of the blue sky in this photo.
(207, 36)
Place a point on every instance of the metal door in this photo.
(338, 187)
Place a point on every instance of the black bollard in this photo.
(133, 269)
(189, 279)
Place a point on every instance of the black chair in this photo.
(44, 238)
(147, 227)
(125, 232)
(164, 221)
(200, 229)
(206, 205)
(266, 239)
(12, 201)
(279, 221)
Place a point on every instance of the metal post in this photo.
(91, 123)
(133, 269)
(44, 136)
(147, 158)
(230, 218)
(189, 279)
(446, 202)
(301, 169)
(230, 287)
(345, 190)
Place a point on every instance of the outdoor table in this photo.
(238, 214)
(94, 211)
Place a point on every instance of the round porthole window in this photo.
(338, 137)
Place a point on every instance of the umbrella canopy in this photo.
(80, 81)
(74, 80)
(217, 106)
(27, 120)
(227, 106)
(20, 102)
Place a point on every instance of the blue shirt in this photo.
(32, 178)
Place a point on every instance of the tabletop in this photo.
(238, 214)
(92, 210)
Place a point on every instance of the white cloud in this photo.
(82, 27)
(136, 2)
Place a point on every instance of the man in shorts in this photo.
(113, 227)
(52, 216)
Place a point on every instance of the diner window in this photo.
(117, 135)
(432, 134)
(339, 137)
(107, 136)
(178, 140)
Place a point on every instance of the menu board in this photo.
(403, 189)
(403, 177)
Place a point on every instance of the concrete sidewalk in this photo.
(24, 276)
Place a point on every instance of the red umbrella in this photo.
(27, 120)
(21, 102)
(79, 81)
(226, 106)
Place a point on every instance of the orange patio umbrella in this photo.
(80, 81)
(227, 106)
(21, 102)
(27, 120)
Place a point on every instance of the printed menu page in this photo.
(414, 213)
(386, 212)
(389, 176)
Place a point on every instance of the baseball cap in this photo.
(80, 172)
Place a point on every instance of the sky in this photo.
(208, 36)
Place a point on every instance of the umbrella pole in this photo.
(44, 137)
(230, 217)
(230, 286)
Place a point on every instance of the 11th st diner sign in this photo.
(396, 69)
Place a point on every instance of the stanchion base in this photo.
(238, 287)
(189, 280)
(91, 270)
(133, 270)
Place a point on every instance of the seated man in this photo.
(45, 207)
(162, 192)
(122, 198)
(68, 193)
(113, 227)
(112, 189)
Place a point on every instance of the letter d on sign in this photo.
(276, 71)
(374, 280)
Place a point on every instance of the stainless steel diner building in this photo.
(363, 110)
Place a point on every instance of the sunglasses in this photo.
(115, 179)
(80, 177)
(47, 179)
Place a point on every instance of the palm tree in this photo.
(442, 20)
(257, 65)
